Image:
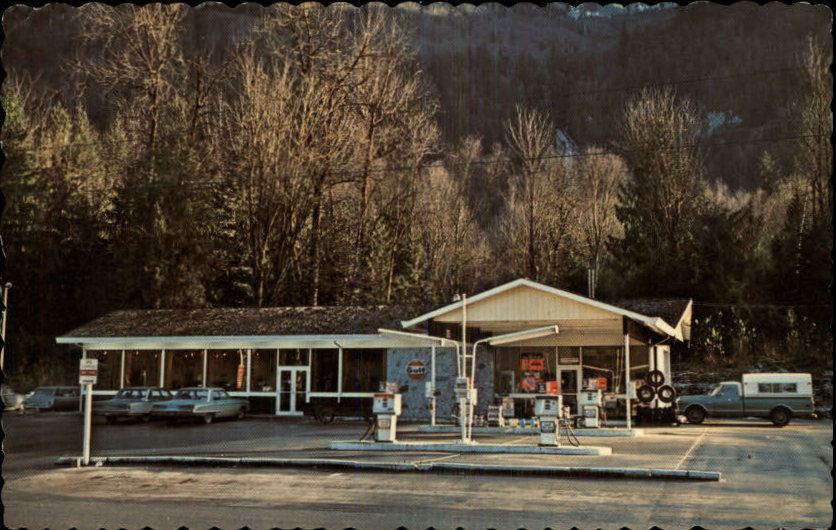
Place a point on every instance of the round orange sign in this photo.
(416, 369)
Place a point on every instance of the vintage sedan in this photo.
(53, 398)
(134, 402)
(11, 399)
(203, 403)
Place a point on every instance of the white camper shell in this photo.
(777, 385)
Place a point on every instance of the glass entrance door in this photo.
(291, 385)
(570, 383)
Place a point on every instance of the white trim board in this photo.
(655, 323)
(241, 342)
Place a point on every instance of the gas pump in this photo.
(387, 407)
(466, 398)
(549, 410)
(590, 403)
(430, 393)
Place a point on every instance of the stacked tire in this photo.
(656, 387)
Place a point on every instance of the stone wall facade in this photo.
(415, 406)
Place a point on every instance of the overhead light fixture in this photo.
(518, 336)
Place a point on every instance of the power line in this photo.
(744, 305)
(442, 164)
(695, 80)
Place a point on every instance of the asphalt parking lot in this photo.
(771, 477)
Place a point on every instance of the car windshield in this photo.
(716, 390)
(45, 391)
(131, 393)
(191, 393)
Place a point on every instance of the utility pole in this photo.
(5, 311)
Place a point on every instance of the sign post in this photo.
(88, 371)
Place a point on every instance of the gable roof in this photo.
(671, 310)
(653, 322)
(242, 321)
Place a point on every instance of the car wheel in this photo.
(695, 415)
(146, 418)
(207, 418)
(241, 413)
(324, 414)
(780, 416)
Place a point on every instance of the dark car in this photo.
(134, 402)
(202, 403)
(53, 398)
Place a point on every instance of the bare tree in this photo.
(540, 203)
(660, 134)
(815, 159)
(140, 62)
(599, 177)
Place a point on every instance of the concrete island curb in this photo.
(602, 432)
(554, 471)
(446, 447)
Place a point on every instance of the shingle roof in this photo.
(244, 321)
(668, 309)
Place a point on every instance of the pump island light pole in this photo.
(499, 340)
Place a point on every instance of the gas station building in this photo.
(287, 359)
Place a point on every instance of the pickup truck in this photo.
(776, 396)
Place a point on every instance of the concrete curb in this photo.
(553, 471)
(603, 431)
(446, 447)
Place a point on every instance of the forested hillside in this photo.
(171, 157)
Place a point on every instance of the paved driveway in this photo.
(771, 477)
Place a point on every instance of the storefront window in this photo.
(526, 370)
(293, 357)
(601, 362)
(363, 370)
(183, 368)
(227, 369)
(110, 366)
(324, 370)
(142, 368)
(263, 371)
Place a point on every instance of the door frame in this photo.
(578, 369)
(293, 406)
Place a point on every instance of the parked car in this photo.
(134, 402)
(203, 403)
(11, 399)
(53, 398)
(776, 396)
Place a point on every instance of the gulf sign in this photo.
(416, 369)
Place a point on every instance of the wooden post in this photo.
(162, 368)
(122, 372)
(249, 368)
(205, 365)
(81, 387)
(339, 374)
(627, 378)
